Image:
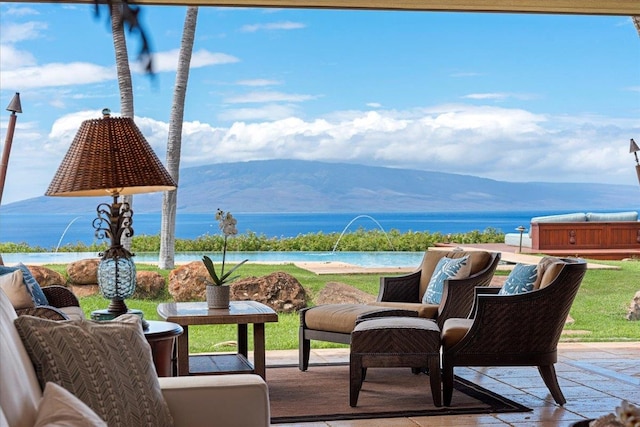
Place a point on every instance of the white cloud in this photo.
(266, 112)
(21, 11)
(56, 74)
(13, 33)
(500, 143)
(258, 82)
(202, 58)
(19, 69)
(273, 26)
(168, 60)
(268, 96)
(500, 96)
(12, 58)
(486, 96)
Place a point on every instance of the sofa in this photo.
(580, 231)
(223, 400)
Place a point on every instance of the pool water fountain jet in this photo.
(65, 232)
(354, 220)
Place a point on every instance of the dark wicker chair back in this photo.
(58, 297)
(517, 330)
(458, 294)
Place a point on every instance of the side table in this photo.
(241, 313)
(162, 337)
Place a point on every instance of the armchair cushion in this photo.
(239, 400)
(446, 268)
(548, 269)
(29, 281)
(478, 260)
(73, 312)
(107, 365)
(58, 407)
(336, 317)
(427, 311)
(613, 216)
(13, 286)
(454, 330)
(521, 279)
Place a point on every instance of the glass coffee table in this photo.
(241, 313)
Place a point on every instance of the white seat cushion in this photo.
(20, 392)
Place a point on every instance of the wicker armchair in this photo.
(60, 300)
(515, 330)
(406, 291)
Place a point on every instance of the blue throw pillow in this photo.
(446, 268)
(521, 279)
(29, 281)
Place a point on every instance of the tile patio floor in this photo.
(594, 378)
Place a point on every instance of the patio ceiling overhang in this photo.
(581, 7)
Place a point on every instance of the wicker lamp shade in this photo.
(109, 156)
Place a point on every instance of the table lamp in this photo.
(110, 156)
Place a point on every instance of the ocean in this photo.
(54, 230)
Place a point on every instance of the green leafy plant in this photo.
(228, 227)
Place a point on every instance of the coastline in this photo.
(57, 230)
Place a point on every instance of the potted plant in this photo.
(217, 293)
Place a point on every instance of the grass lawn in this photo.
(599, 309)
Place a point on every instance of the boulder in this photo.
(634, 308)
(149, 285)
(46, 276)
(341, 293)
(187, 282)
(83, 272)
(84, 290)
(83, 277)
(280, 291)
(83, 280)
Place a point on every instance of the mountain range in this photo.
(311, 186)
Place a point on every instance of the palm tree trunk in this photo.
(124, 81)
(174, 143)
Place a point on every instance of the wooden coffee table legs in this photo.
(258, 366)
(258, 346)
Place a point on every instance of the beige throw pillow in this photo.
(13, 285)
(60, 408)
(107, 365)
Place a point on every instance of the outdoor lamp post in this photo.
(633, 148)
(521, 229)
(109, 156)
(14, 107)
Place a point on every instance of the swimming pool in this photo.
(362, 259)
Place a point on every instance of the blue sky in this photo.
(503, 96)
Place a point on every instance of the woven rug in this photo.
(322, 394)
